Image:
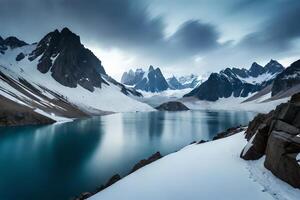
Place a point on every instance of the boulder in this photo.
(256, 146)
(279, 125)
(255, 124)
(277, 136)
(282, 150)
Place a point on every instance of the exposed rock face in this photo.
(20, 57)
(277, 136)
(256, 147)
(236, 82)
(11, 42)
(281, 153)
(287, 79)
(124, 89)
(13, 114)
(174, 83)
(172, 106)
(68, 60)
(131, 77)
(151, 81)
(256, 70)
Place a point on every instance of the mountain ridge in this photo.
(237, 82)
(61, 79)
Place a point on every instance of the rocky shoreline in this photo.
(275, 135)
(115, 178)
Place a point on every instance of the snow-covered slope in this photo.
(212, 170)
(259, 104)
(22, 82)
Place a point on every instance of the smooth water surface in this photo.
(62, 160)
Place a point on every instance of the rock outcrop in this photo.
(147, 161)
(277, 136)
(172, 106)
(13, 114)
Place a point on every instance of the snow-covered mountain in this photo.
(174, 83)
(150, 81)
(58, 76)
(131, 78)
(237, 82)
(287, 81)
(192, 81)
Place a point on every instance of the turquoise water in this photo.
(62, 160)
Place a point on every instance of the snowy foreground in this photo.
(209, 171)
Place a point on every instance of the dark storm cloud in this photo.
(196, 36)
(279, 31)
(111, 20)
(126, 24)
(130, 25)
(246, 4)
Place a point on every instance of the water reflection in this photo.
(62, 160)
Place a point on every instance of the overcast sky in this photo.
(179, 36)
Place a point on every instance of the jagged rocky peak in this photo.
(152, 81)
(274, 67)
(151, 68)
(240, 72)
(256, 70)
(69, 62)
(174, 83)
(131, 77)
(11, 42)
(288, 79)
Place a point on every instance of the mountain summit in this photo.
(237, 82)
(59, 78)
(68, 60)
(151, 81)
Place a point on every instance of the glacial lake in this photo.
(61, 161)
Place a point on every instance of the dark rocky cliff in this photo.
(287, 79)
(69, 62)
(277, 136)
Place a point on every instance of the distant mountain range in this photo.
(183, 82)
(237, 82)
(150, 81)
(153, 80)
(58, 77)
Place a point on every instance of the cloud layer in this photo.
(132, 27)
